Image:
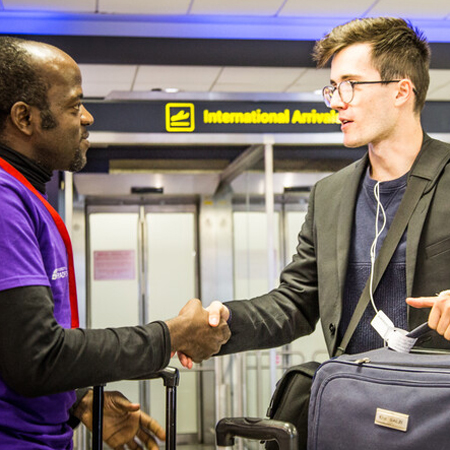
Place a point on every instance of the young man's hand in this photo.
(439, 318)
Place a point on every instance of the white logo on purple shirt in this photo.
(61, 272)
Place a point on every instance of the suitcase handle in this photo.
(97, 417)
(255, 428)
(171, 379)
(419, 331)
(170, 376)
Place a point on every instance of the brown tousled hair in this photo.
(399, 50)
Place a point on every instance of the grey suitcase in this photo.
(381, 399)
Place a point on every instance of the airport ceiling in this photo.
(211, 46)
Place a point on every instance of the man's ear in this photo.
(405, 91)
(22, 116)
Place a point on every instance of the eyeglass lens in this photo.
(345, 90)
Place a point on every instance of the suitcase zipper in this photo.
(362, 361)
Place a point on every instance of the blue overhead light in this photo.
(188, 26)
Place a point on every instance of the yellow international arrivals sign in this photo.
(214, 116)
(259, 116)
(233, 116)
(191, 117)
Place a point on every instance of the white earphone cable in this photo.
(373, 248)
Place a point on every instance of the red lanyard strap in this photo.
(62, 231)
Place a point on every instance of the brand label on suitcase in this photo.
(391, 419)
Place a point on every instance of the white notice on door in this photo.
(114, 265)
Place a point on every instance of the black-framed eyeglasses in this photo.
(346, 90)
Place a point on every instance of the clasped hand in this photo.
(217, 316)
(193, 336)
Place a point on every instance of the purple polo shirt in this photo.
(32, 253)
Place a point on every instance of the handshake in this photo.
(197, 333)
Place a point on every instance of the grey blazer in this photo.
(312, 285)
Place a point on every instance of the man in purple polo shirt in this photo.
(43, 357)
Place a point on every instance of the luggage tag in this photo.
(382, 324)
(399, 341)
(396, 338)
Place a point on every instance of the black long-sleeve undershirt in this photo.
(38, 357)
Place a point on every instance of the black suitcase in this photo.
(171, 378)
(284, 433)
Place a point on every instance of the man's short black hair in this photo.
(20, 79)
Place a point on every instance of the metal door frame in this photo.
(141, 207)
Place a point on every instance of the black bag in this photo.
(290, 401)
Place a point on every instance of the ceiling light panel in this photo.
(185, 78)
(312, 80)
(439, 77)
(162, 7)
(256, 79)
(88, 6)
(100, 79)
(325, 8)
(431, 9)
(259, 75)
(248, 87)
(439, 85)
(440, 94)
(237, 7)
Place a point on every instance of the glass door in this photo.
(171, 249)
(142, 266)
(251, 279)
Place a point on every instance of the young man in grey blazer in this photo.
(378, 85)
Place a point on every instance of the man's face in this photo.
(61, 139)
(370, 117)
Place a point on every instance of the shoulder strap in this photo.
(410, 199)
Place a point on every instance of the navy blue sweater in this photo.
(391, 292)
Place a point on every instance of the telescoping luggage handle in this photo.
(171, 379)
(255, 428)
(419, 331)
